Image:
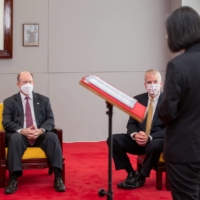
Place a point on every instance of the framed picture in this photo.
(30, 35)
(6, 30)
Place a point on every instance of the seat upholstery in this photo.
(33, 158)
(30, 153)
(160, 169)
(1, 115)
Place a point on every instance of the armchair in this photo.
(33, 158)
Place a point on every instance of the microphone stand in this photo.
(102, 192)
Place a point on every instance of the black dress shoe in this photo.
(59, 185)
(11, 188)
(138, 181)
(130, 177)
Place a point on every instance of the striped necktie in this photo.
(149, 117)
(29, 119)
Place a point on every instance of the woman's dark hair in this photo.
(183, 28)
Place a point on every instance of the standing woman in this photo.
(180, 106)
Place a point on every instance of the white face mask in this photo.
(27, 88)
(153, 89)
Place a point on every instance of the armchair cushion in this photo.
(161, 159)
(31, 153)
(1, 117)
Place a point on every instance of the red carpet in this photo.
(86, 173)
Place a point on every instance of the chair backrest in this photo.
(1, 117)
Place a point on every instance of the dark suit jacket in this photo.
(180, 107)
(13, 113)
(157, 129)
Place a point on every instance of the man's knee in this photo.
(155, 145)
(108, 141)
(114, 136)
(118, 139)
(51, 136)
(15, 137)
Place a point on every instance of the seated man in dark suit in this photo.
(141, 138)
(28, 120)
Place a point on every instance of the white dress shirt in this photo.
(30, 100)
(155, 102)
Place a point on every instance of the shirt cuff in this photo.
(18, 131)
(132, 134)
(150, 138)
(43, 129)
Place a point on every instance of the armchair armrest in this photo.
(2, 145)
(59, 133)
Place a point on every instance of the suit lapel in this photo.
(36, 106)
(144, 102)
(155, 117)
(20, 108)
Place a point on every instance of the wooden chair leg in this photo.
(50, 172)
(63, 173)
(139, 166)
(2, 176)
(167, 182)
(159, 179)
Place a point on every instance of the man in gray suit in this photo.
(28, 120)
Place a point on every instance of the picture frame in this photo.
(30, 35)
(6, 31)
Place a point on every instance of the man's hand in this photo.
(141, 138)
(32, 132)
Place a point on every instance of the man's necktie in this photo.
(149, 118)
(29, 119)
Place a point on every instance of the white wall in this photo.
(192, 3)
(175, 4)
(118, 40)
